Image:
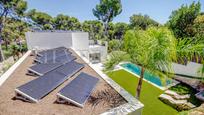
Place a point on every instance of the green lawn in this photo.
(149, 94)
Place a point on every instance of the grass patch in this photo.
(185, 89)
(149, 93)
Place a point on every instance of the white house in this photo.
(94, 51)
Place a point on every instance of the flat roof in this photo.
(96, 104)
(58, 31)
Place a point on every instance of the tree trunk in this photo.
(139, 86)
(105, 29)
(2, 21)
(1, 51)
(6, 44)
(1, 54)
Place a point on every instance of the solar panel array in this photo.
(51, 56)
(56, 59)
(56, 66)
(40, 87)
(50, 51)
(79, 89)
(50, 60)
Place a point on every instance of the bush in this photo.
(114, 45)
(7, 53)
(6, 66)
(24, 47)
(181, 89)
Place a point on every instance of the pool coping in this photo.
(119, 67)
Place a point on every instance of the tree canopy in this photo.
(198, 26)
(63, 22)
(119, 30)
(12, 9)
(94, 27)
(141, 22)
(181, 20)
(41, 19)
(106, 11)
(153, 49)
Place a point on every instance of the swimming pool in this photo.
(147, 76)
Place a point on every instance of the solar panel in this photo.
(56, 59)
(40, 87)
(78, 90)
(55, 51)
(53, 54)
(41, 69)
(65, 59)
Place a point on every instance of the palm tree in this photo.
(153, 50)
(190, 49)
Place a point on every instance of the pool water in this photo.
(147, 76)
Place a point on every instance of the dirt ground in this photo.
(102, 99)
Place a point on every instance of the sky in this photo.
(159, 10)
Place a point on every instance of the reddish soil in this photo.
(102, 99)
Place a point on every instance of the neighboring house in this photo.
(94, 51)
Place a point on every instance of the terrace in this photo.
(107, 97)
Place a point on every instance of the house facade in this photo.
(94, 51)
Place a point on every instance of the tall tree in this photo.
(13, 9)
(63, 22)
(181, 20)
(106, 11)
(13, 29)
(119, 30)
(94, 27)
(41, 19)
(110, 30)
(151, 49)
(141, 22)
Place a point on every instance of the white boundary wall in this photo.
(48, 40)
(191, 69)
(80, 41)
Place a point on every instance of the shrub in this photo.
(7, 53)
(114, 45)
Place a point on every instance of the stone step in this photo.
(176, 95)
(177, 104)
